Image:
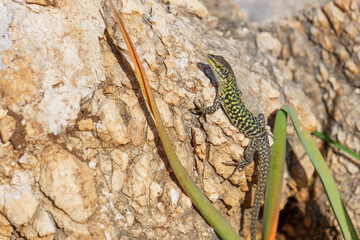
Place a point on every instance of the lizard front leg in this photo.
(210, 109)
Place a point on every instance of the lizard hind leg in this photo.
(249, 157)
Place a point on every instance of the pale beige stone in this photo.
(211, 189)
(53, 62)
(323, 72)
(43, 223)
(42, 2)
(28, 161)
(215, 134)
(85, 124)
(132, 6)
(236, 151)
(199, 142)
(171, 195)
(121, 158)
(194, 7)
(19, 206)
(335, 15)
(179, 125)
(184, 153)
(111, 118)
(67, 226)
(34, 129)
(267, 43)
(344, 5)
(140, 180)
(352, 67)
(8, 160)
(158, 216)
(5, 228)
(136, 127)
(185, 202)
(117, 179)
(29, 232)
(352, 31)
(155, 190)
(21, 74)
(3, 112)
(165, 112)
(19, 202)
(217, 159)
(68, 182)
(7, 128)
(320, 19)
(232, 196)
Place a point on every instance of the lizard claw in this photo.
(239, 166)
(198, 111)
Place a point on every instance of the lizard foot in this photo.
(239, 166)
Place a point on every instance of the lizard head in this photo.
(220, 68)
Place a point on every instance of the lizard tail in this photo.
(259, 193)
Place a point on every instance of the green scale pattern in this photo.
(229, 97)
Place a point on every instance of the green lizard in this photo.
(229, 97)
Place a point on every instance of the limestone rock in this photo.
(68, 182)
(43, 223)
(18, 203)
(7, 128)
(110, 115)
(80, 151)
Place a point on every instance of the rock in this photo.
(155, 191)
(42, 2)
(335, 16)
(89, 142)
(68, 182)
(140, 180)
(194, 7)
(268, 44)
(85, 125)
(199, 143)
(28, 161)
(43, 223)
(5, 227)
(3, 112)
(111, 119)
(50, 55)
(19, 204)
(7, 128)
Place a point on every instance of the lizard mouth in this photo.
(211, 58)
(219, 66)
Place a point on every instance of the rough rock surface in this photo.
(80, 156)
(323, 55)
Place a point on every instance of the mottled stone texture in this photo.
(80, 156)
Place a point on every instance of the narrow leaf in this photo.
(342, 216)
(207, 210)
(336, 144)
(274, 183)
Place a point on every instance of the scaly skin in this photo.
(229, 97)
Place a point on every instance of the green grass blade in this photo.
(274, 182)
(336, 144)
(346, 226)
(201, 202)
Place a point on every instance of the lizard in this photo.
(229, 97)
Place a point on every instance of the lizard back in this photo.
(229, 96)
